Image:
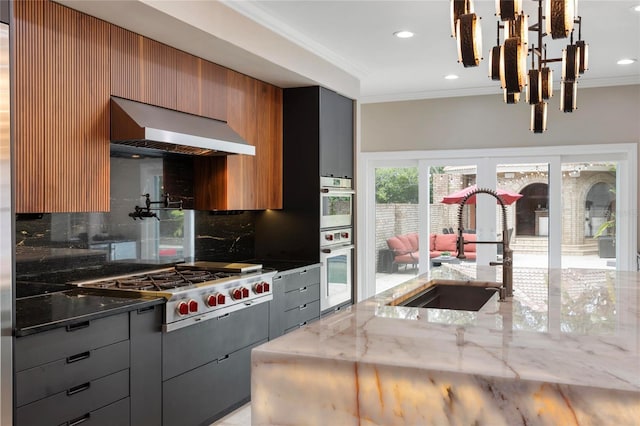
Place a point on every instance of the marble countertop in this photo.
(582, 329)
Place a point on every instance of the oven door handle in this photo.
(329, 250)
(337, 191)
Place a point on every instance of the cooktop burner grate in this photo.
(161, 280)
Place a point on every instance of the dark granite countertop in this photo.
(42, 312)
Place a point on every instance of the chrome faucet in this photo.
(506, 290)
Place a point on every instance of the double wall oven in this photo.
(336, 242)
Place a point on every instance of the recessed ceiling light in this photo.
(636, 8)
(451, 77)
(403, 34)
(626, 61)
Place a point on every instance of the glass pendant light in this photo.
(459, 8)
(546, 80)
(519, 27)
(508, 9)
(583, 56)
(494, 63)
(538, 117)
(559, 15)
(511, 98)
(534, 87)
(570, 62)
(513, 65)
(469, 40)
(568, 96)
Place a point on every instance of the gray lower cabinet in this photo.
(146, 366)
(296, 300)
(206, 367)
(75, 374)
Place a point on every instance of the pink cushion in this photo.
(446, 242)
(407, 258)
(413, 241)
(396, 244)
(432, 242)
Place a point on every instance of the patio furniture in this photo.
(405, 248)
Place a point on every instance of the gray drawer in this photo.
(48, 379)
(191, 400)
(301, 296)
(301, 314)
(37, 349)
(116, 414)
(75, 402)
(214, 338)
(304, 278)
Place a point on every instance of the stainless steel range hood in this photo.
(153, 128)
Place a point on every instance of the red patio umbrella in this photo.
(456, 197)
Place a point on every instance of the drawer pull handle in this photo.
(223, 359)
(303, 289)
(79, 420)
(302, 324)
(303, 307)
(78, 357)
(224, 316)
(79, 326)
(145, 310)
(303, 272)
(77, 389)
(276, 278)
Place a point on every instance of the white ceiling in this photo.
(349, 46)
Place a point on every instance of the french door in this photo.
(570, 205)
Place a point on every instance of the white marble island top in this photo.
(566, 353)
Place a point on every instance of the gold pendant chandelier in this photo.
(508, 61)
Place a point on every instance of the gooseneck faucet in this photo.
(507, 254)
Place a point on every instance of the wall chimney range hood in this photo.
(156, 129)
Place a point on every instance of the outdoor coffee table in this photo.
(437, 261)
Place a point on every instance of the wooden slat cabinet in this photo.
(142, 69)
(240, 182)
(68, 64)
(201, 87)
(62, 91)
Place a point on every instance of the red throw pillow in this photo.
(446, 242)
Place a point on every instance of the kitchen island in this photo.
(563, 353)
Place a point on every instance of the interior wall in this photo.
(605, 115)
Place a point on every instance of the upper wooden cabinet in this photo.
(242, 182)
(143, 70)
(62, 90)
(67, 66)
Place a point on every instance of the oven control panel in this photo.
(338, 236)
(217, 299)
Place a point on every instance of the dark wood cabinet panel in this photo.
(62, 121)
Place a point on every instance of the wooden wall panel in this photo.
(189, 83)
(269, 147)
(76, 173)
(214, 91)
(241, 116)
(126, 66)
(159, 74)
(28, 51)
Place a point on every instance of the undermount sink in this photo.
(461, 297)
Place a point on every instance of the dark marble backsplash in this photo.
(64, 245)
